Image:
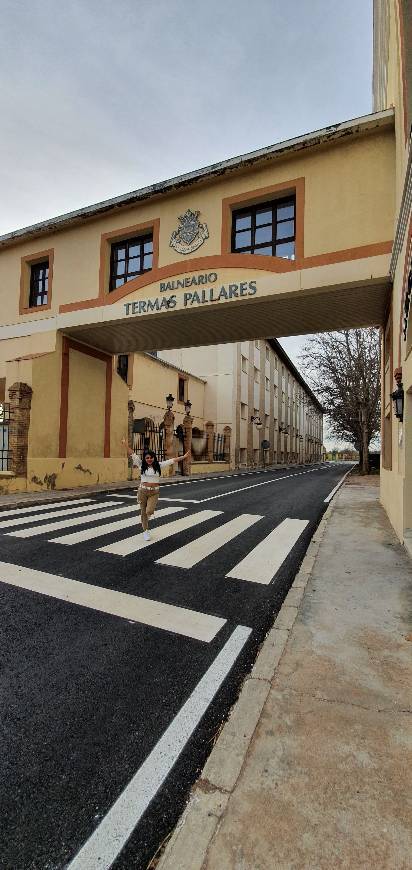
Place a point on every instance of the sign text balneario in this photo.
(193, 296)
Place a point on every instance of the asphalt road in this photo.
(120, 659)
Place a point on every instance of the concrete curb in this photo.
(189, 842)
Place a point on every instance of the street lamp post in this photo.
(255, 418)
(187, 435)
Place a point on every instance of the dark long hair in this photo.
(155, 465)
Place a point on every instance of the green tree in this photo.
(344, 370)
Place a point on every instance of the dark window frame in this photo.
(274, 224)
(181, 381)
(141, 242)
(39, 284)
(123, 366)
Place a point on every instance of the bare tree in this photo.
(344, 370)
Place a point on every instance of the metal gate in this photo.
(148, 437)
(5, 452)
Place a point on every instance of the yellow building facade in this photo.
(306, 235)
(392, 87)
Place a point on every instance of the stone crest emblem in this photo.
(191, 233)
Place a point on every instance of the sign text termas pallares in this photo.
(191, 297)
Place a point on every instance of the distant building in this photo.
(253, 389)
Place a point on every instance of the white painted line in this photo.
(254, 485)
(167, 617)
(186, 500)
(107, 841)
(331, 494)
(137, 542)
(107, 528)
(20, 521)
(43, 507)
(191, 554)
(261, 564)
(70, 522)
(134, 497)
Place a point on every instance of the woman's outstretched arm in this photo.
(180, 458)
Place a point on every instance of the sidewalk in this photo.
(313, 769)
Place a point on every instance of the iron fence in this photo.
(218, 448)
(153, 438)
(147, 437)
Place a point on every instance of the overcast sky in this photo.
(99, 97)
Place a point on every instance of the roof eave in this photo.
(318, 138)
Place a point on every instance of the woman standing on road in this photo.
(148, 492)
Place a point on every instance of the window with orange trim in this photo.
(267, 229)
(39, 284)
(130, 258)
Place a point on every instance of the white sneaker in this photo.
(147, 536)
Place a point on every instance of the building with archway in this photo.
(306, 235)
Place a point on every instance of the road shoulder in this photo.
(309, 770)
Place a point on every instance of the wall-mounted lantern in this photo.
(257, 421)
(188, 406)
(398, 397)
(169, 402)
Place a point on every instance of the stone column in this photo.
(210, 434)
(130, 420)
(20, 403)
(187, 441)
(169, 424)
(226, 443)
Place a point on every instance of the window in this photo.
(181, 391)
(130, 258)
(257, 344)
(266, 421)
(243, 409)
(276, 363)
(244, 364)
(257, 378)
(267, 383)
(123, 366)
(267, 353)
(275, 390)
(267, 229)
(39, 284)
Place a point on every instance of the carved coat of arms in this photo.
(191, 233)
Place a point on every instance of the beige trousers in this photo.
(147, 499)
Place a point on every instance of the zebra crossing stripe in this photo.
(191, 554)
(35, 518)
(137, 542)
(38, 507)
(168, 617)
(111, 834)
(261, 563)
(68, 521)
(106, 528)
